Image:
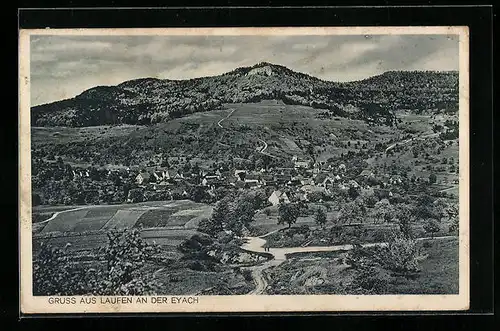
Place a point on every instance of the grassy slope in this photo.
(291, 129)
(439, 273)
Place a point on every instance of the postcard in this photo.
(244, 169)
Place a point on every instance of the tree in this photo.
(432, 178)
(52, 272)
(405, 216)
(125, 254)
(384, 211)
(351, 212)
(401, 255)
(439, 209)
(431, 227)
(244, 210)
(320, 217)
(221, 212)
(316, 196)
(452, 212)
(210, 226)
(197, 193)
(135, 195)
(287, 214)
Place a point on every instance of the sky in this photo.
(64, 66)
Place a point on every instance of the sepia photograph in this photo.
(244, 169)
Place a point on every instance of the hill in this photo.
(149, 100)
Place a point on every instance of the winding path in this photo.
(261, 151)
(265, 146)
(61, 212)
(256, 245)
(225, 118)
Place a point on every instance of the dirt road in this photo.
(61, 212)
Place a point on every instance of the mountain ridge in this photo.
(151, 100)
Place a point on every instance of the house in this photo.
(267, 180)
(240, 174)
(159, 175)
(294, 182)
(343, 187)
(277, 197)
(142, 178)
(297, 197)
(252, 180)
(302, 164)
(169, 174)
(282, 179)
(312, 188)
(161, 185)
(307, 181)
(382, 193)
(342, 168)
(395, 180)
(175, 175)
(76, 174)
(328, 182)
(251, 183)
(210, 181)
(320, 178)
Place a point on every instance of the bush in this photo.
(431, 227)
(369, 280)
(401, 255)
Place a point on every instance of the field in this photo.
(85, 228)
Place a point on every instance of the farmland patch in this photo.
(65, 221)
(95, 219)
(124, 219)
(155, 218)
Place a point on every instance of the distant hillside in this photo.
(149, 100)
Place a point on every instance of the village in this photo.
(306, 181)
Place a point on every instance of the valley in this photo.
(256, 195)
